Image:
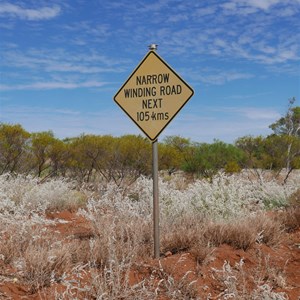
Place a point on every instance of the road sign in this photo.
(153, 95)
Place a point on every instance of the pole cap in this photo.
(153, 47)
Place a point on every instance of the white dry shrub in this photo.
(23, 203)
(110, 282)
(233, 279)
(265, 292)
(26, 195)
(225, 197)
(121, 211)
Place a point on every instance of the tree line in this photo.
(127, 157)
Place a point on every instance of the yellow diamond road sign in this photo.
(153, 95)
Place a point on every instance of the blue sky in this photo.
(62, 61)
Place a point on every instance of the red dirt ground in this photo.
(279, 266)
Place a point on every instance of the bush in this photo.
(294, 199)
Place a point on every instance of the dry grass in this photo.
(37, 256)
(181, 289)
(294, 199)
(44, 262)
(201, 252)
(181, 234)
(269, 229)
(119, 241)
(262, 281)
(112, 282)
(80, 250)
(72, 204)
(237, 234)
(12, 243)
(123, 238)
(265, 272)
(199, 236)
(289, 218)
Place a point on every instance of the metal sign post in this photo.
(156, 234)
(152, 96)
(155, 199)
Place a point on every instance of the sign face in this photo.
(152, 95)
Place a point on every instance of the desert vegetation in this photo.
(97, 259)
(76, 216)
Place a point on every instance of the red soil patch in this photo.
(70, 224)
(279, 266)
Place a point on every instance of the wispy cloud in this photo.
(41, 69)
(16, 11)
(35, 110)
(239, 29)
(59, 60)
(224, 77)
(254, 113)
(80, 69)
(246, 7)
(52, 85)
(265, 4)
(247, 96)
(216, 76)
(205, 11)
(86, 28)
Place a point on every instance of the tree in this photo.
(172, 153)
(276, 154)
(89, 153)
(117, 159)
(41, 144)
(253, 148)
(177, 142)
(59, 154)
(208, 159)
(288, 128)
(130, 158)
(169, 158)
(13, 145)
(290, 123)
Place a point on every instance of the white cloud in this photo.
(60, 61)
(79, 68)
(261, 4)
(217, 77)
(178, 18)
(52, 85)
(43, 13)
(247, 7)
(267, 55)
(205, 11)
(229, 5)
(287, 12)
(254, 113)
